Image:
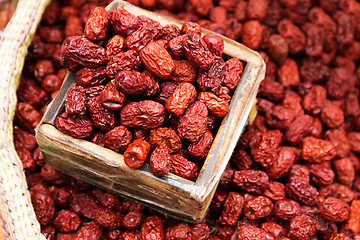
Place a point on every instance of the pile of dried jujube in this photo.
(150, 92)
(295, 171)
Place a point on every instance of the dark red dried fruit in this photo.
(122, 61)
(334, 209)
(117, 139)
(192, 125)
(197, 51)
(201, 148)
(184, 72)
(302, 227)
(77, 51)
(182, 167)
(286, 209)
(167, 137)
(160, 161)
(115, 45)
(146, 114)
(183, 95)
(232, 209)
(213, 77)
(96, 25)
(152, 228)
(67, 221)
(79, 127)
(252, 181)
(136, 153)
(131, 82)
(258, 207)
(123, 22)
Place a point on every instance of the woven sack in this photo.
(17, 220)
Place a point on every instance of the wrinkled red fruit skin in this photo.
(192, 125)
(136, 153)
(77, 51)
(160, 161)
(145, 114)
(80, 127)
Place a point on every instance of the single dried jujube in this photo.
(122, 61)
(78, 51)
(75, 101)
(160, 161)
(79, 127)
(182, 167)
(164, 136)
(117, 139)
(103, 118)
(111, 97)
(217, 106)
(202, 147)
(184, 72)
(136, 153)
(155, 57)
(123, 22)
(197, 51)
(183, 95)
(96, 25)
(145, 114)
(192, 124)
(130, 82)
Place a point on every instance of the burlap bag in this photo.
(18, 219)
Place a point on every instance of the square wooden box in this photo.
(171, 194)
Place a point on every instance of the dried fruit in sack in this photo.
(152, 228)
(307, 107)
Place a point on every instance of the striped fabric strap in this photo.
(18, 220)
